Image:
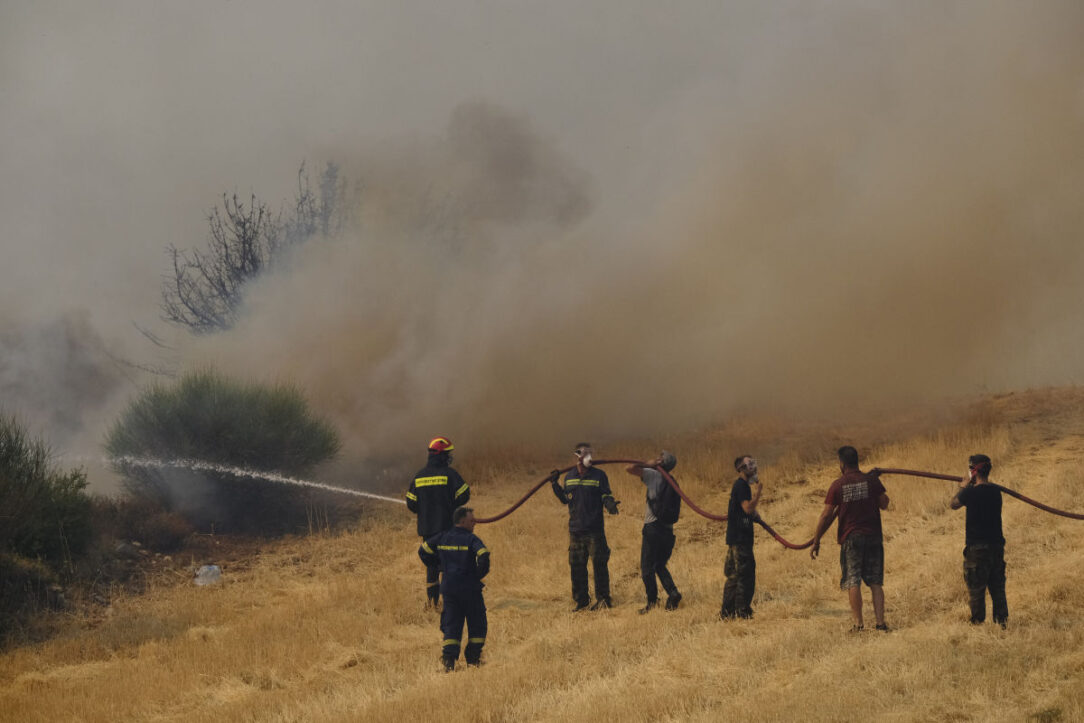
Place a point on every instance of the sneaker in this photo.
(581, 606)
(602, 602)
(673, 600)
(883, 627)
(449, 664)
(647, 608)
(857, 628)
(474, 663)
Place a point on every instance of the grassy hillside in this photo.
(333, 628)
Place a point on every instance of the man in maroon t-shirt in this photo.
(858, 499)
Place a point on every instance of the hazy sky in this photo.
(781, 204)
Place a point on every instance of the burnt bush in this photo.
(191, 448)
(141, 519)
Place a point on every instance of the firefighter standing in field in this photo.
(586, 491)
(433, 495)
(465, 561)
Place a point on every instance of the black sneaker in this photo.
(883, 627)
(474, 663)
(650, 605)
(673, 600)
(581, 606)
(601, 603)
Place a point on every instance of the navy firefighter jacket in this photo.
(463, 557)
(585, 496)
(434, 494)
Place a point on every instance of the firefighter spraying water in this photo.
(433, 496)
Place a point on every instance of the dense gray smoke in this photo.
(652, 220)
(56, 376)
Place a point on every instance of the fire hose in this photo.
(669, 480)
(779, 538)
(1006, 490)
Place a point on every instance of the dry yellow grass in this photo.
(333, 628)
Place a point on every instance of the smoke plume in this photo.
(652, 221)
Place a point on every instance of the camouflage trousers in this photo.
(984, 569)
(581, 546)
(741, 580)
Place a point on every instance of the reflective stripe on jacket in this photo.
(585, 496)
(433, 495)
(462, 556)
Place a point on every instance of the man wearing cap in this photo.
(586, 491)
(658, 534)
(465, 561)
(984, 543)
(741, 566)
(433, 495)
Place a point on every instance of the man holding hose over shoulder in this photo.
(984, 543)
(663, 508)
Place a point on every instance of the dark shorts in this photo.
(861, 559)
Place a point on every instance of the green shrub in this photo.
(209, 419)
(45, 524)
(45, 512)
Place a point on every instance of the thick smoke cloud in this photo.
(889, 219)
(57, 376)
(654, 218)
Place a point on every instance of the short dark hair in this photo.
(848, 456)
(980, 463)
(739, 459)
(581, 445)
(460, 513)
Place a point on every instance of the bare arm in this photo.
(750, 505)
(882, 501)
(956, 502)
(828, 516)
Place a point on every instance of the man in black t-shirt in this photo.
(741, 567)
(984, 550)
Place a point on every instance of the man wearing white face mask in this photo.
(586, 491)
(741, 567)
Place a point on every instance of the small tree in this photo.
(204, 289)
(207, 418)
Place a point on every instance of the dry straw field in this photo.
(332, 628)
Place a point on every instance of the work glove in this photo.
(611, 506)
(555, 474)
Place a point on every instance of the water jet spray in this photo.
(201, 466)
